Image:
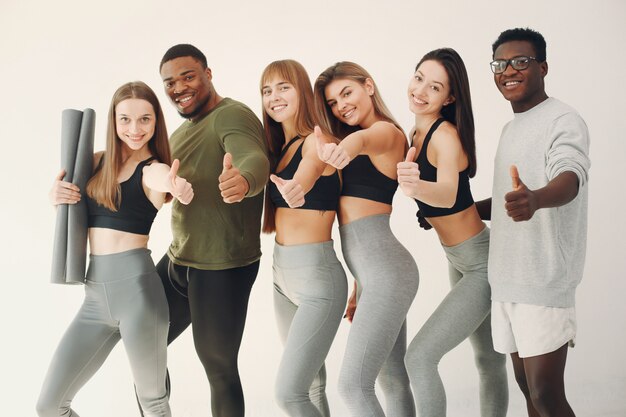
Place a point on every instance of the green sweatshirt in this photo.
(208, 233)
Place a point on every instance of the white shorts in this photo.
(531, 330)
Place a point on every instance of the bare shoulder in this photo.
(309, 141)
(446, 135)
(309, 147)
(384, 126)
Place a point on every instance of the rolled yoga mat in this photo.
(69, 253)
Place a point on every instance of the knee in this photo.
(418, 357)
(351, 388)
(490, 362)
(289, 398)
(218, 364)
(522, 383)
(47, 408)
(546, 399)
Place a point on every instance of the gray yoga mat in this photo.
(69, 253)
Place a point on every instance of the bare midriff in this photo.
(300, 226)
(107, 241)
(458, 227)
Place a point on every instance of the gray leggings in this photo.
(310, 292)
(387, 279)
(463, 313)
(124, 298)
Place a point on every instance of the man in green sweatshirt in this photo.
(213, 260)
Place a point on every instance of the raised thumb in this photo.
(228, 161)
(277, 180)
(410, 155)
(516, 182)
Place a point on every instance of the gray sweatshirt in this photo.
(540, 261)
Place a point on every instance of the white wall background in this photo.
(55, 55)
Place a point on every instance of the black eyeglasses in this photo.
(518, 63)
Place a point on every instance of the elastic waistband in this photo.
(472, 251)
(119, 266)
(304, 255)
(367, 222)
(481, 236)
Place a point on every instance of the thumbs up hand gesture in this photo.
(291, 191)
(232, 184)
(409, 175)
(329, 152)
(521, 203)
(180, 188)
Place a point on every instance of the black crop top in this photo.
(325, 192)
(362, 179)
(135, 213)
(429, 173)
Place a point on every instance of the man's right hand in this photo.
(232, 184)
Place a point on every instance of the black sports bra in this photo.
(428, 172)
(362, 179)
(135, 213)
(325, 192)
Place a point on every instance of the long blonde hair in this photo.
(294, 73)
(347, 71)
(103, 186)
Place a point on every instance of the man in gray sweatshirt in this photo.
(539, 223)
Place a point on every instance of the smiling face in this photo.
(351, 101)
(135, 122)
(280, 99)
(523, 88)
(188, 85)
(429, 89)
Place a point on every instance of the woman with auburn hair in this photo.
(436, 174)
(368, 145)
(124, 297)
(310, 288)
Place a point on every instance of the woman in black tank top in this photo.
(443, 142)
(358, 134)
(301, 199)
(124, 297)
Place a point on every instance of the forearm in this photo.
(436, 194)
(308, 173)
(484, 208)
(255, 168)
(353, 144)
(558, 192)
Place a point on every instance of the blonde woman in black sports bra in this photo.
(310, 288)
(370, 145)
(124, 297)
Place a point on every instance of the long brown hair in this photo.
(347, 71)
(294, 73)
(103, 186)
(459, 112)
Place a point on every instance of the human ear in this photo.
(369, 86)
